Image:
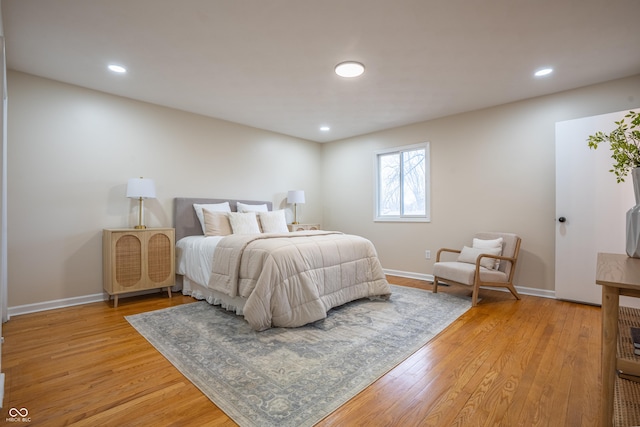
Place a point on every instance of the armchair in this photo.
(476, 266)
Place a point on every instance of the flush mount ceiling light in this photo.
(325, 128)
(117, 68)
(349, 69)
(543, 72)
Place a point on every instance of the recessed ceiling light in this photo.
(325, 128)
(543, 72)
(349, 69)
(117, 68)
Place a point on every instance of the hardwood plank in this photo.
(489, 378)
(585, 389)
(535, 377)
(523, 361)
(504, 362)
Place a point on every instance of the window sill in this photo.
(408, 219)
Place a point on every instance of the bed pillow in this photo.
(243, 207)
(469, 255)
(491, 243)
(214, 207)
(273, 222)
(216, 223)
(244, 222)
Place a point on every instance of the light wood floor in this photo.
(533, 362)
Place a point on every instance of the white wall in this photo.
(491, 169)
(71, 152)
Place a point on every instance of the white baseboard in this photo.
(409, 275)
(59, 303)
(542, 293)
(68, 302)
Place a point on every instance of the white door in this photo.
(590, 207)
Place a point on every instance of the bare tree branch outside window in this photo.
(402, 179)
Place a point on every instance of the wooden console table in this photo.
(619, 275)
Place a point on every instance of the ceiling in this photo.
(269, 63)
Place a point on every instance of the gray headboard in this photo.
(185, 219)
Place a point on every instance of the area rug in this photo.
(295, 377)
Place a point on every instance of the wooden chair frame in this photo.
(477, 282)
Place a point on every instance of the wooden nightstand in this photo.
(300, 227)
(136, 260)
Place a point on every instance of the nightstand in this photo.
(136, 260)
(300, 227)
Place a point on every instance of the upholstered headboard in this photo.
(185, 219)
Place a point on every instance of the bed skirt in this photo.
(199, 292)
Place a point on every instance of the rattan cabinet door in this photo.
(135, 260)
(160, 257)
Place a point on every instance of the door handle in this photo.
(562, 219)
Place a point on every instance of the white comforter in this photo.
(292, 279)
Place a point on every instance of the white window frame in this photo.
(427, 185)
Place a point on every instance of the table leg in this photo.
(610, 305)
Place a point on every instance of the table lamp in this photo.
(295, 197)
(140, 188)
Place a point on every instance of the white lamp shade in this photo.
(141, 187)
(295, 196)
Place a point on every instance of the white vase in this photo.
(633, 219)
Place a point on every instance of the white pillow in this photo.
(470, 255)
(213, 207)
(273, 222)
(243, 207)
(244, 222)
(493, 243)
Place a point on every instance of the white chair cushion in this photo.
(492, 243)
(470, 255)
(463, 272)
(510, 241)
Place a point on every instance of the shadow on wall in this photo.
(82, 271)
(531, 266)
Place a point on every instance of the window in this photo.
(402, 184)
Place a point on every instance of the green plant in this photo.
(624, 141)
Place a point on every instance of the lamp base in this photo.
(295, 222)
(140, 226)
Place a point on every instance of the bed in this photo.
(273, 278)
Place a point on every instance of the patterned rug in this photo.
(295, 377)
